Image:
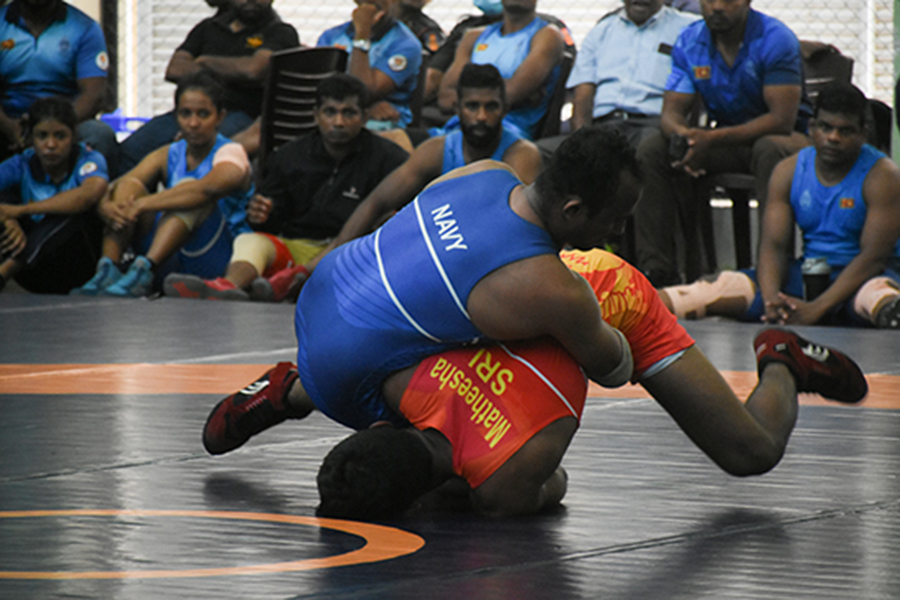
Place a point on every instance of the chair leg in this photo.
(707, 231)
(740, 219)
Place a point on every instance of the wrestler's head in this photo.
(374, 474)
(589, 188)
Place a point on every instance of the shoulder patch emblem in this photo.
(397, 62)
(102, 60)
(481, 47)
(87, 168)
(8, 44)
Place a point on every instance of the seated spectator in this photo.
(746, 68)
(491, 12)
(482, 134)
(236, 45)
(385, 55)
(527, 51)
(620, 73)
(312, 185)
(52, 49)
(845, 197)
(49, 237)
(426, 29)
(189, 226)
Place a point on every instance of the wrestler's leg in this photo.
(532, 478)
(742, 438)
(273, 398)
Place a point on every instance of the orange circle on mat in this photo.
(382, 543)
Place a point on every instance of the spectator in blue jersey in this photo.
(48, 48)
(620, 73)
(49, 237)
(482, 135)
(385, 55)
(746, 68)
(844, 195)
(236, 44)
(491, 11)
(189, 226)
(527, 51)
(312, 185)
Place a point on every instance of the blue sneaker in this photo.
(135, 283)
(107, 274)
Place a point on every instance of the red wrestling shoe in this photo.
(286, 283)
(816, 368)
(255, 408)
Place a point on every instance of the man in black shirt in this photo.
(237, 44)
(312, 185)
(424, 27)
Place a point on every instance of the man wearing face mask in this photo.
(237, 45)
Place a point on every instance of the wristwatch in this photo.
(364, 45)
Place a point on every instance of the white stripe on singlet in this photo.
(390, 291)
(437, 262)
(543, 378)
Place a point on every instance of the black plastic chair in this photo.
(549, 124)
(290, 93)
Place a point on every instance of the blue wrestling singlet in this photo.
(384, 301)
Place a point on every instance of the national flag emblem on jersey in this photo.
(8, 44)
(481, 47)
(255, 41)
(702, 73)
(847, 203)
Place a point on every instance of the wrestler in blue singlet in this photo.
(453, 148)
(384, 301)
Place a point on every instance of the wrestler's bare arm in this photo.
(539, 296)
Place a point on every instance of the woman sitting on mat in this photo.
(49, 237)
(189, 226)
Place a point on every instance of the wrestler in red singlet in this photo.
(489, 401)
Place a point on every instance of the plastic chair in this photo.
(551, 121)
(290, 93)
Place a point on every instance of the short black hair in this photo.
(843, 98)
(481, 77)
(588, 164)
(52, 107)
(374, 474)
(207, 82)
(341, 86)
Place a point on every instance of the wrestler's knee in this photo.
(730, 293)
(872, 295)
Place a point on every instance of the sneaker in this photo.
(181, 285)
(107, 274)
(135, 283)
(255, 408)
(816, 368)
(283, 284)
(889, 315)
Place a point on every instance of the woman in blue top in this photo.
(189, 226)
(49, 238)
